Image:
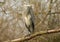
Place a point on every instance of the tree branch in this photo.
(35, 34)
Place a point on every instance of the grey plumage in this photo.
(29, 19)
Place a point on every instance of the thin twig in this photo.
(35, 34)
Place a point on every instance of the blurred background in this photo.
(47, 17)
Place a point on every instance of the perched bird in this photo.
(29, 19)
